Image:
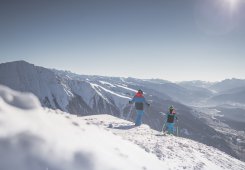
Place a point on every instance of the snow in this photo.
(57, 89)
(9, 97)
(23, 76)
(111, 92)
(175, 152)
(119, 100)
(40, 139)
(127, 88)
(96, 88)
(85, 90)
(107, 83)
(32, 137)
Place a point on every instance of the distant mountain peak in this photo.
(18, 62)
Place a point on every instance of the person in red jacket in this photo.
(139, 101)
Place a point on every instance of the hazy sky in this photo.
(168, 39)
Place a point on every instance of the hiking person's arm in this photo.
(132, 101)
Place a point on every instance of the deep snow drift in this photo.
(33, 138)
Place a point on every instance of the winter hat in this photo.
(171, 108)
(140, 91)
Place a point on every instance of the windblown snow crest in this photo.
(35, 138)
(41, 139)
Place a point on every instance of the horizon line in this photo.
(153, 78)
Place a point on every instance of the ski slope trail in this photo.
(175, 152)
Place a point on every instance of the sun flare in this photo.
(232, 3)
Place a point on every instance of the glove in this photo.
(130, 102)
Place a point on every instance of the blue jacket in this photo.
(139, 101)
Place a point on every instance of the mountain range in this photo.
(201, 106)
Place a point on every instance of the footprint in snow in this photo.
(120, 153)
(68, 117)
(75, 123)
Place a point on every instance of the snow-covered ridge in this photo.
(40, 139)
(175, 152)
(36, 138)
(64, 90)
(25, 101)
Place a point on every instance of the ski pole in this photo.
(177, 128)
(148, 109)
(163, 125)
(129, 113)
(177, 131)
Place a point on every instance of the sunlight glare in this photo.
(232, 4)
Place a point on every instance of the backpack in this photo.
(171, 117)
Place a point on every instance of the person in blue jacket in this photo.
(139, 101)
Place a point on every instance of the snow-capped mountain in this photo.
(89, 95)
(223, 110)
(196, 83)
(61, 92)
(232, 96)
(32, 137)
(228, 84)
(226, 91)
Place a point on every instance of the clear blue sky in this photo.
(168, 39)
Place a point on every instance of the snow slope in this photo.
(175, 152)
(61, 90)
(32, 137)
(35, 138)
(42, 82)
